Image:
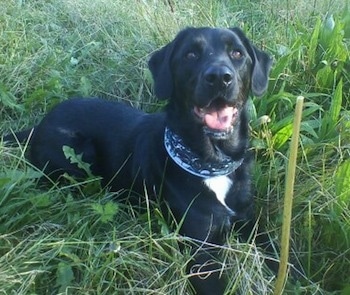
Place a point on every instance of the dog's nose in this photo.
(218, 76)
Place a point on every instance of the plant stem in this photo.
(288, 198)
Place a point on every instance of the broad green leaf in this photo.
(251, 110)
(342, 182)
(310, 127)
(106, 212)
(326, 126)
(309, 109)
(345, 290)
(346, 20)
(337, 51)
(314, 42)
(282, 136)
(70, 154)
(64, 276)
(280, 66)
(325, 77)
(110, 210)
(331, 118)
(8, 100)
(327, 30)
(98, 208)
(336, 102)
(41, 200)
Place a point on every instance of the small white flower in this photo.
(74, 61)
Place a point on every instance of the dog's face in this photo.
(208, 73)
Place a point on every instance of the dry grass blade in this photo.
(288, 198)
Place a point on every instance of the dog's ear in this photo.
(261, 64)
(159, 65)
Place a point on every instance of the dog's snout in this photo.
(218, 76)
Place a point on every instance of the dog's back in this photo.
(102, 132)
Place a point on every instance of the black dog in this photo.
(194, 155)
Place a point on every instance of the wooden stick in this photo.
(288, 198)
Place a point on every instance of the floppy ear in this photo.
(159, 65)
(261, 64)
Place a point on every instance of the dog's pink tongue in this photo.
(220, 119)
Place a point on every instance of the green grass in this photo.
(76, 239)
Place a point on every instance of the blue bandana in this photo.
(192, 163)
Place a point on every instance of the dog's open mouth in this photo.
(218, 117)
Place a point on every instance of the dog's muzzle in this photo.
(214, 105)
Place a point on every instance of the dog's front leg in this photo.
(252, 231)
(205, 271)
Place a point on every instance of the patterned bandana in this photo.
(192, 163)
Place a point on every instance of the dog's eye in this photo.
(236, 54)
(191, 55)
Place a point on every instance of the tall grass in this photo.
(78, 239)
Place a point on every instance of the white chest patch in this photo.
(220, 185)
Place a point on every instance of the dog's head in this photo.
(209, 73)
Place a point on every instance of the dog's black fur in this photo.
(206, 74)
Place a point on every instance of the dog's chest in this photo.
(220, 186)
